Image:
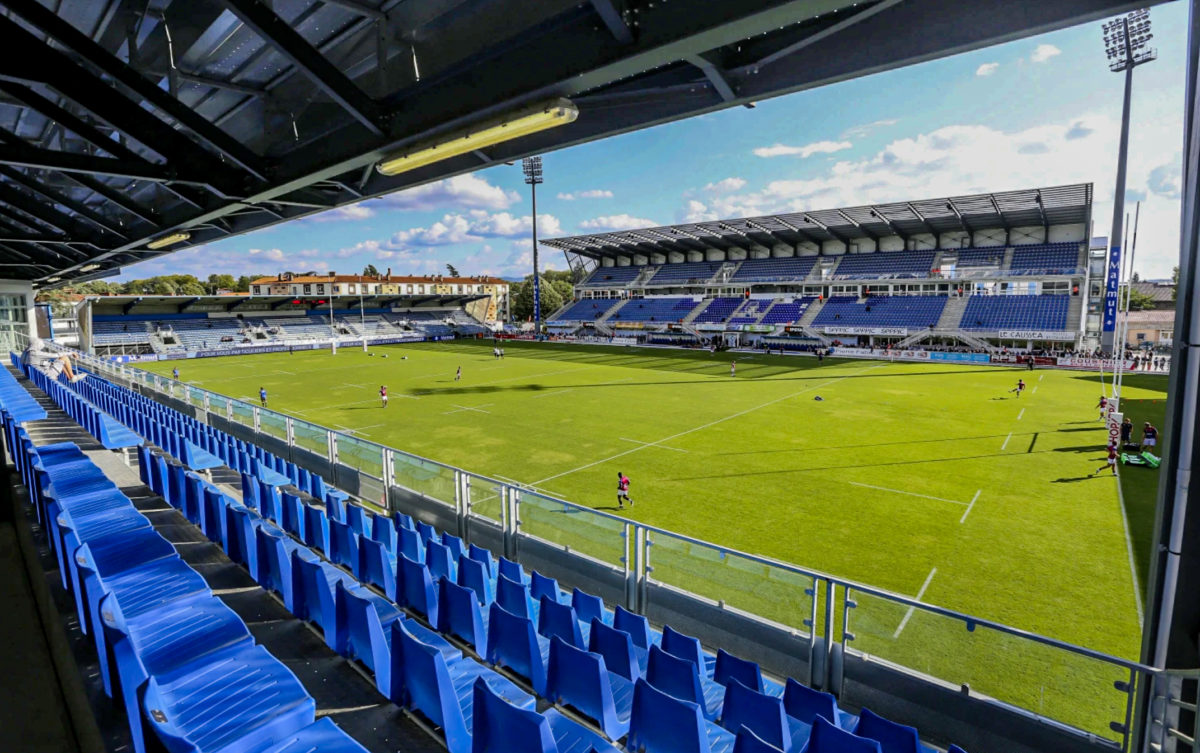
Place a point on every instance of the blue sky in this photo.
(1038, 112)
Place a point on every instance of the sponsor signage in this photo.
(1112, 288)
(710, 327)
(1035, 334)
(887, 331)
(1114, 423)
(758, 328)
(1106, 364)
(960, 357)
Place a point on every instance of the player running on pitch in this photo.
(458, 374)
(262, 396)
(1019, 388)
(623, 491)
(383, 395)
(1110, 462)
(733, 368)
(1103, 407)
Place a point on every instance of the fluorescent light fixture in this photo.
(89, 267)
(53, 279)
(511, 126)
(169, 240)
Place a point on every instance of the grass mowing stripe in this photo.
(909, 613)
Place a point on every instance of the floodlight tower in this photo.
(532, 167)
(1126, 41)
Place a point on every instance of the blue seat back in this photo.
(374, 566)
(422, 682)
(316, 528)
(748, 742)
(891, 736)
(414, 589)
(683, 646)
(343, 545)
(409, 543)
(438, 560)
(512, 643)
(730, 668)
(312, 598)
(661, 723)
(359, 631)
(358, 518)
(473, 575)
(383, 530)
(558, 620)
(762, 714)
(500, 727)
(636, 625)
(459, 614)
(616, 647)
(826, 738)
(673, 675)
(806, 705)
(270, 555)
(513, 597)
(587, 606)
(455, 544)
(293, 515)
(540, 585)
(427, 532)
(482, 555)
(511, 570)
(579, 679)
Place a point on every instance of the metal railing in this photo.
(1070, 686)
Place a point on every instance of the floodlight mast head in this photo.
(532, 167)
(1126, 41)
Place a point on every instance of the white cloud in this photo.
(459, 192)
(455, 228)
(358, 211)
(1167, 179)
(986, 69)
(273, 254)
(1044, 52)
(725, 185)
(617, 222)
(817, 147)
(861, 131)
(596, 193)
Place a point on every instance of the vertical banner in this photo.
(1112, 422)
(1112, 287)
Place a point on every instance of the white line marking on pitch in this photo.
(963, 519)
(707, 425)
(1006, 442)
(1040, 378)
(1034, 392)
(281, 371)
(650, 444)
(461, 408)
(911, 494)
(909, 613)
(556, 392)
(1137, 590)
(1021, 414)
(360, 429)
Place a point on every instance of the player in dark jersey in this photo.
(1019, 388)
(1110, 462)
(383, 395)
(1103, 407)
(623, 491)
(1149, 436)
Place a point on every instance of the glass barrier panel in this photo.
(195, 396)
(423, 477)
(1047, 680)
(577, 528)
(243, 413)
(484, 497)
(310, 437)
(218, 404)
(770, 591)
(272, 424)
(366, 457)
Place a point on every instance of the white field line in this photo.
(1137, 589)
(556, 392)
(1040, 378)
(967, 512)
(1021, 414)
(650, 444)
(1034, 392)
(461, 408)
(911, 494)
(281, 371)
(361, 429)
(707, 425)
(1005, 445)
(909, 613)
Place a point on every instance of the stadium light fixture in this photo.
(169, 240)
(89, 267)
(523, 122)
(532, 168)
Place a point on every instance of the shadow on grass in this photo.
(1074, 480)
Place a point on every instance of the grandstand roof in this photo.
(132, 122)
(1056, 205)
(130, 304)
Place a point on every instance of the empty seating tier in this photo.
(1034, 312)
(786, 313)
(588, 309)
(787, 269)
(718, 310)
(685, 273)
(1046, 258)
(609, 276)
(916, 311)
(976, 257)
(885, 264)
(654, 310)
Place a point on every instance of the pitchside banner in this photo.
(888, 331)
(1114, 423)
(1035, 334)
(1111, 289)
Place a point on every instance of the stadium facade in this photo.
(1009, 268)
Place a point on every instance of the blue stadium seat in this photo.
(826, 738)
(501, 727)
(313, 585)
(681, 679)
(461, 615)
(806, 705)
(559, 620)
(616, 646)
(729, 668)
(359, 519)
(685, 647)
(343, 545)
(581, 680)
(427, 532)
(540, 585)
(443, 690)
(383, 530)
(636, 625)
(748, 742)
(316, 528)
(415, 589)
(515, 598)
(411, 544)
(375, 567)
(891, 736)
(760, 713)
(483, 555)
(588, 606)
(513, 643)
(323, 735)
(456, 545)
(512, 571)
(473, 575)
(661, 723)
(362, 630)
(440, 562)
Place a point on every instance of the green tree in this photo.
(1139, 301)
(160, 286)
(452, 270)
(554, 294)
(221, 282)
(370, 271)
(1174, 282)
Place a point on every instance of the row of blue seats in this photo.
(99, 424)
(16, 399)
(187, 665)
(494, 607)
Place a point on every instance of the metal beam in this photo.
(69, 162)
(360, 8)
(613, 19)
(191, 78)
(83, 210)
(933, 231)
(69, 120)
(876, 213)
(296, 48)
(855, 223)
(83, 46)
(119, 198)
(715, 76)
(43, 212)
(961, 221)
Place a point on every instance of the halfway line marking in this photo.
(1003, 446)
(911, 494)
(462, 408)
(963, 519)
(909, 613)
(650, 444)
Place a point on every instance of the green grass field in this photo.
(929, 479)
